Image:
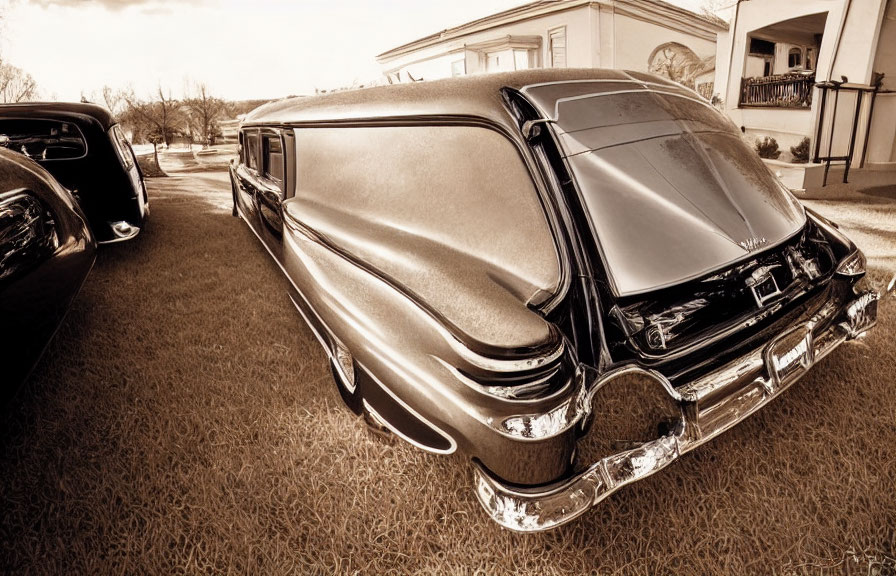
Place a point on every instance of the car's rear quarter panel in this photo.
(410, 241)
(411, 356)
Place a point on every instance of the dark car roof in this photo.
(477, 95)
(74, 111)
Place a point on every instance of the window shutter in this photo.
(558, 47)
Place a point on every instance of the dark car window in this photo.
(252, 151)
(272, 158)
(122, 146)
(44, 139)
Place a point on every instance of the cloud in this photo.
(115, 5)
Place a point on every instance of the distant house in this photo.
(642, 35)
(818, 69)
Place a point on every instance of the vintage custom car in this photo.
(46, 251)
(572, 276)
(85, 149)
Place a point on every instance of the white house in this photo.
(643, 35)
(818, 69)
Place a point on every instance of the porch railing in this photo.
(781, 91)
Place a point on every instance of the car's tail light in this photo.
(27, 232)
(853, 265)
(545, 424)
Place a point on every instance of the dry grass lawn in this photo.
(183, 420)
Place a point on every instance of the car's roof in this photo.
(478, 95)
(74, 111)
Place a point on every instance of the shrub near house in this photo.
(768, 148)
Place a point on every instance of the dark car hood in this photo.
(669, 187)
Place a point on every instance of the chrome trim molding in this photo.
(403, 404)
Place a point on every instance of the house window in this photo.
(557, 47)
(458, 68)
(762, 47)
(795, 58)
(502, 61)
(522, 59)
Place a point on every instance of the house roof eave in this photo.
(671, 16)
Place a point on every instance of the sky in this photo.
(239, 49)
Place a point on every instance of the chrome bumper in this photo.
(709, 406)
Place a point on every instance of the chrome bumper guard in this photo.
(121, 231)
(709, 406)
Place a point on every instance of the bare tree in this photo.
(156, 121)
(16, 85)
(205, 110)
(159, 118)
(113, 99)
(109, 97)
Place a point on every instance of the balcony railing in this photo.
(781, 91)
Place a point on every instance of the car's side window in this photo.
(272, 158)
(122, 146)
(44, 139)
(252, 150)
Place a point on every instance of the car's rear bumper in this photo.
(709, 406)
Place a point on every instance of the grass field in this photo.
(183, 420)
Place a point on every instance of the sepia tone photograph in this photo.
(498, 287)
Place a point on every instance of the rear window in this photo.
(44, 139)
(598, 121)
